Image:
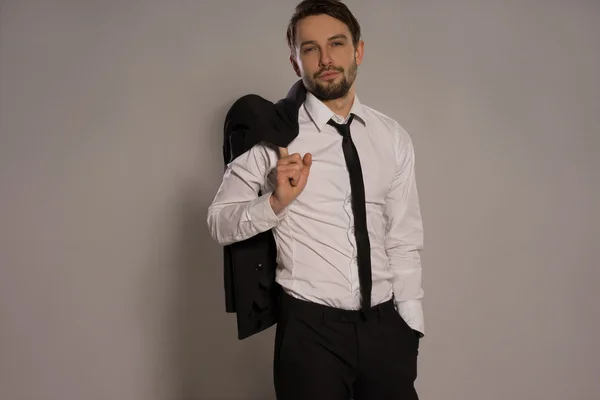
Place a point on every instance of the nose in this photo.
(325, 58)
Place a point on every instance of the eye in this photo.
(337, 44)
(308, 49)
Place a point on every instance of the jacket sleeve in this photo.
(404, 235)
(237, 211)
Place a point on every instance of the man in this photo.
(348, 227)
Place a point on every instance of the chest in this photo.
(329, 179)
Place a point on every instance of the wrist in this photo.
(276, 206)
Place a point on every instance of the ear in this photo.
(359, 52)
(295, 66)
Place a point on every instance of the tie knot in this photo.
(343, 129)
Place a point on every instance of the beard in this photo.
(333, 90)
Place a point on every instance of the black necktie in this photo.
(361, 234)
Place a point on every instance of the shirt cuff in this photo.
(412, 312)
(261, 214)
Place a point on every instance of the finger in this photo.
(291, 172)
(290, 159)
(295, 181)
(283, 152)
(288, 168)
(292, 178)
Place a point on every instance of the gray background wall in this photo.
(110, 151)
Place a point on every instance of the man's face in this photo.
(325, 56)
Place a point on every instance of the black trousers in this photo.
(328, 353)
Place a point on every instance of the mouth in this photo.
(329, 75)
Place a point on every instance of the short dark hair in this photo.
(333, 8)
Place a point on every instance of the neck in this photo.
(342, 105)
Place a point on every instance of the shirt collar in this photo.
(321, 114)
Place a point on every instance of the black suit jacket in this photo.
(249, 266)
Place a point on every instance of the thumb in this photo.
(307, 161)
(283, 152)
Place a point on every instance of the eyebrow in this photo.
(334, 37)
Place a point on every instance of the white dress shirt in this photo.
(316, 248)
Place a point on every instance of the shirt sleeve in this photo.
(404, 234)
(237, 211)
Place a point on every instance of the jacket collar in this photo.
(287, 109)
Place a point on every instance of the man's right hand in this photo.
(292, 175)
